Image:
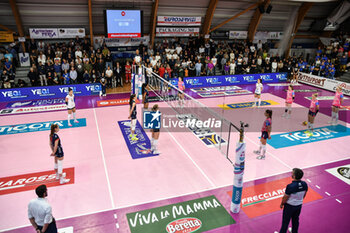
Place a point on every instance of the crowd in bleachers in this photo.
(77, 61)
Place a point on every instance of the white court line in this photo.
(308, 180)
(104, 161)
(327, 193)
(117, 225)
(318, 186)
(275, 157)
(183, 149)
(115, 216)
(338, 201)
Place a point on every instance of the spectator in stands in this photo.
(274, 66)
(49, 77)
(210, 68)
(66, 78)
(21, 83)
(343, 62)
(65, 65)
(5, 78)
(8, 66)
(103, 82)
(109, 76)
(42, 58)
(86, 76)
(42, 74)
(78, 53)
(80, 71)
(94, 77)
(161, 71)
(33, 76)
(55, 79)
(118, 75)
(57, 68)
(109, 60)
(73, 75)
(8, 56)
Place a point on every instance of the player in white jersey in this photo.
(257, 93)
(71, 106)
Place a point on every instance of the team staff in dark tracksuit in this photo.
(293, 200)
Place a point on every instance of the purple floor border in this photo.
(324, 215)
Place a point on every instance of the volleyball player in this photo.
(181, 94)
(257, 93)
(145, 95)
(313, 110)
(265, 134)
(155, 134)
(57, 152)
(337, 102)
(71, 106)
(132, 116)
(289, 101)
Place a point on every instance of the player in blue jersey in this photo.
(57, 152)
(132, 117)
(155, 134)
(145, 95)
(265, 134)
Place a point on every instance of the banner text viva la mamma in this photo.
(33, 93)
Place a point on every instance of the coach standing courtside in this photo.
(40, 212)
(293, 200)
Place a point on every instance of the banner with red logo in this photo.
(202, 214)
(266, 198)
(25, 182)
(114, 102)
(178, 21)
(324, 83)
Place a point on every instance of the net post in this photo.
(238, 171)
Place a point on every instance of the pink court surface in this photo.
(108, 186)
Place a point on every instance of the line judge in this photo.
(40, 212)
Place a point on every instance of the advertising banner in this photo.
(24, 59)
(226, 80)
(265, 198)
(43, 33)
(238, 34)
(6, 37)
(126, 42)
(259, 35)
(33, 93)
(55, 33)
(202, 214)
(341, 172)
(178, 21)
(178, 31)
(324, 83)
(300, 137)
(30, 181)
(71, 32)
(39, 126)
(140, 148)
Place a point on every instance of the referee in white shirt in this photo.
(40, 212)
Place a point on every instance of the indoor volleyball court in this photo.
(113, 188)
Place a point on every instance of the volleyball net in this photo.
(213, 129)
